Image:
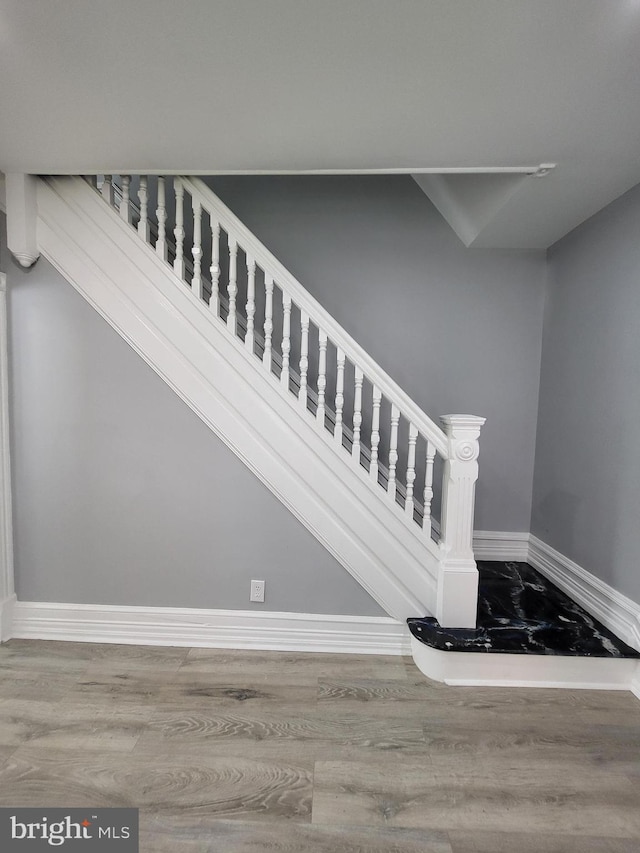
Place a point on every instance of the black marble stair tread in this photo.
(521, 612)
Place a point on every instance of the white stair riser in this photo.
(512, 670)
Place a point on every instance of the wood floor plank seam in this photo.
(247, 751)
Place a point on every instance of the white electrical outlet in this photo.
(257, 591)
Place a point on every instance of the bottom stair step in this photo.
(529, 634)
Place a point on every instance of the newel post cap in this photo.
(470, 422)
(463, 432)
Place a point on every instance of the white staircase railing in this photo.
(352, 403)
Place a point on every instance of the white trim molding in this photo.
(501, 545)
(617, 612)
(21, 205)
(473, 669)
(218, 629)
(7, 591)
(7, 610)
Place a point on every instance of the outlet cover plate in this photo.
(257, 591)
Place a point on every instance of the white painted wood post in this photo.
(268, 320)
(286, 340)
(161, 215)
(144, 229)
(251, 304)
(22, 215)
(357, 414)
(196, 249)
(375, 434)
(7, 590)
(304, 360)
(322, 377)
(340, 361)
(232, 286)
(125, 206)
(457, 597)
(393, 453)
(411, 471)
(107, 189)
(428, 489)
(178, 231)
(214, 302)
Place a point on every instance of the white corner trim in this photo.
(500, 545)
(223, 629)
(635, 683)
(7, 596)
(21, 205)
(617, 612)
(7, 608)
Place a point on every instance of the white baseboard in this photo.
(500, 545)
(7, 608)
(475, 669)
(230, 629)
(617, 612)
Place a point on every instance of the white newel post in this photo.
(458, 574)
(7, 591)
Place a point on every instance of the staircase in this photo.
(208, 306)
(385, 489)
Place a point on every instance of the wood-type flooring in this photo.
(243, 752)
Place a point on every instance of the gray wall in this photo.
(122, 495)
(460, 330)
(117, 483)
(587, 473)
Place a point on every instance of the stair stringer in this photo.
(141, 298)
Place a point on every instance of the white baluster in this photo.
(340, 360)
(125, 207)
(322, 377)
(143, 223)
(375, 434)
(268, 320)
(178, 231)
(251, 304)
(286, 339)
(196, 250)
(411, 470)
(428, 489)
(357, 414)
(161, 214)
(107, 189)
(304, 360)
(232, 289)
(393, 453)
(214, 302)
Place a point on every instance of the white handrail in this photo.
(341, 338)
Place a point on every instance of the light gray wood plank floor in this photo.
(244, 752)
